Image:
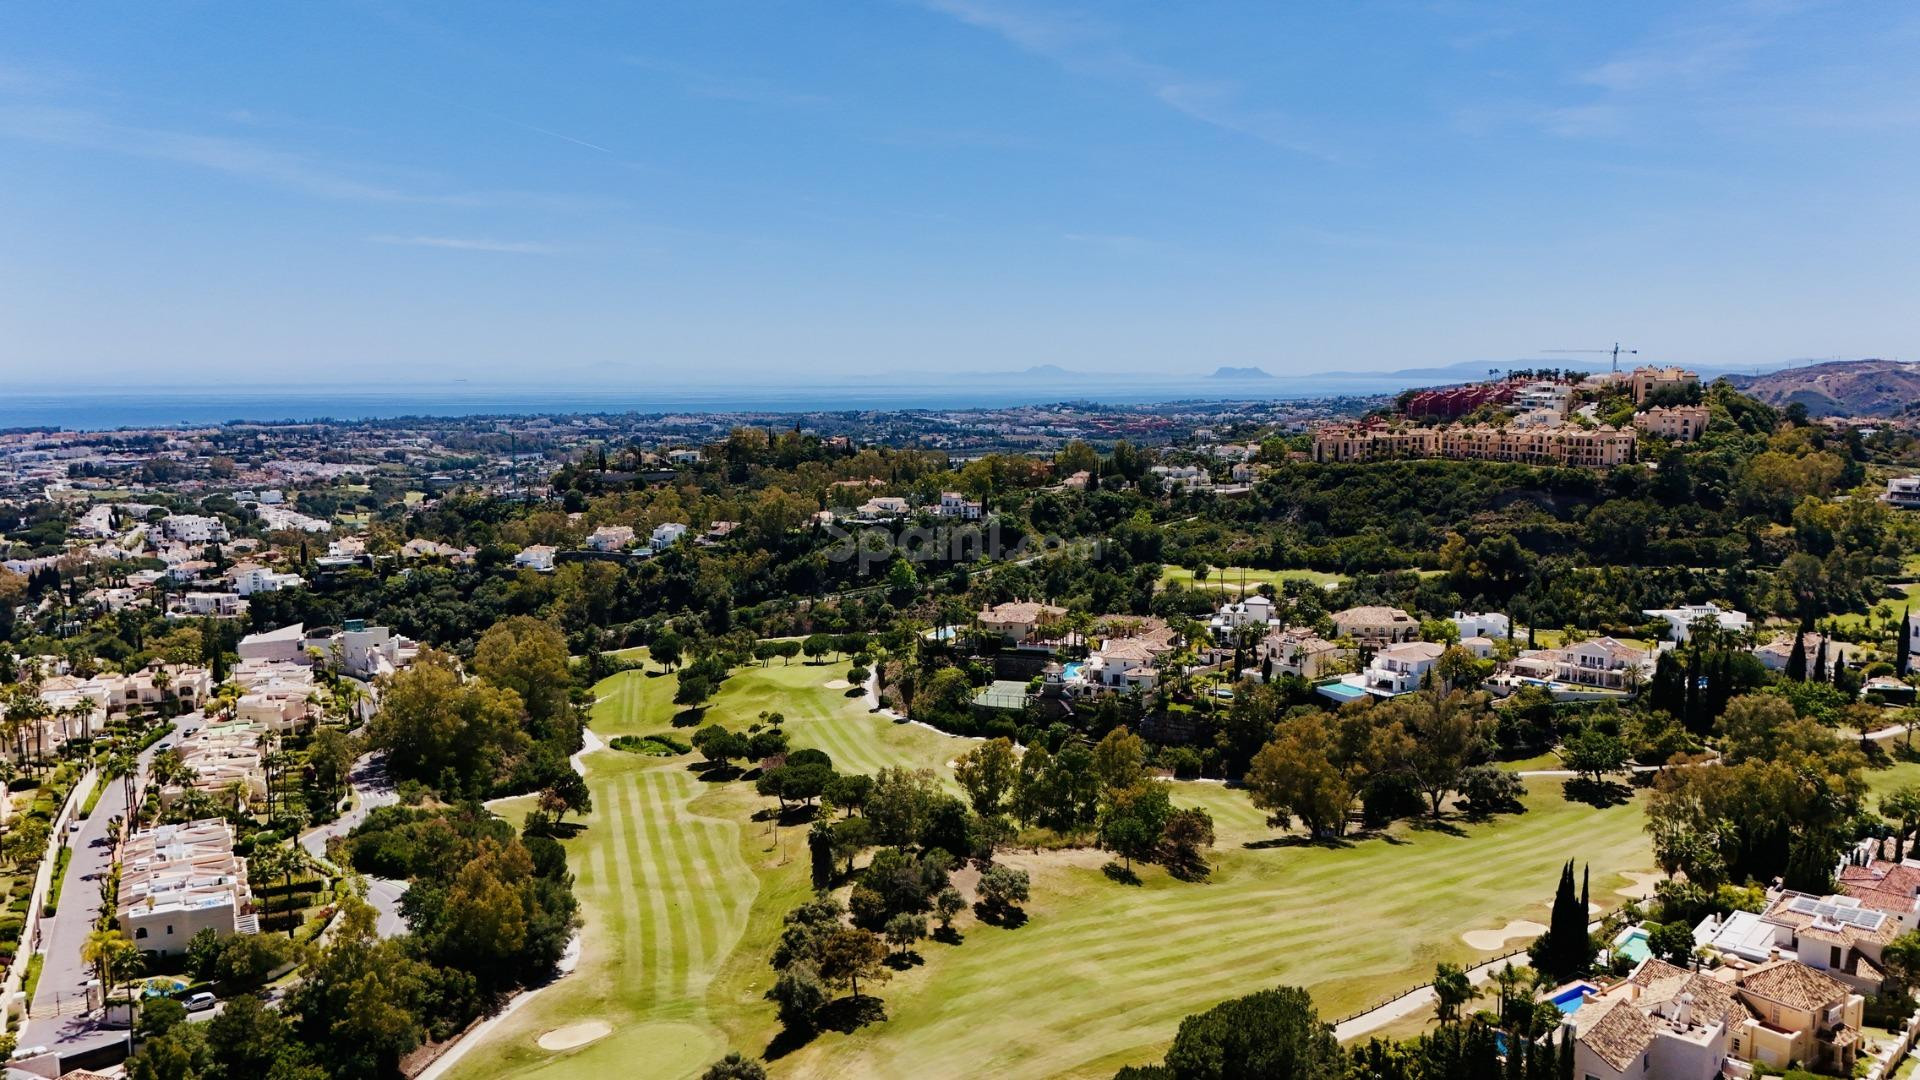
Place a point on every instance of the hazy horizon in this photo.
(217, 196)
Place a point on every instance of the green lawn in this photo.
(1898, 598)
(1229, 578)
(683, 893)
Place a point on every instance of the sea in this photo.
(105, 407)
(89, 409)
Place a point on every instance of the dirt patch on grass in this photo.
(580, 1034)
(1489, 940)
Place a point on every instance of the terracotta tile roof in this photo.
(1142, 649)
(1019, 612)
(1881, 885)
(1713, 1000)
(1795, 985)
(1373, 615)
(1619, 1034)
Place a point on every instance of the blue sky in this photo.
(234, 193)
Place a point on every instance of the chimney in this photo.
(1683, 1010)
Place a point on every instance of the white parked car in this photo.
(201, 1000)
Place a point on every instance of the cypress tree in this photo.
(1566, 1053)
(1903, 649)
(1820, 673)
(1565, 951)
(1586, 909)
(820, 850)
(1797, 659)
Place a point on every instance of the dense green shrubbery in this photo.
(651, 745)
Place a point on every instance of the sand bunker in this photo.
(1490, 940)
(1640, 887)
(580, 1034)
(838, 684)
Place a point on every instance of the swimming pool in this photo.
(1070, 672)
(1570, 999)
(1342, 692)
(1632, 943)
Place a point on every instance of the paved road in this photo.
(63, 976)
(371, 788)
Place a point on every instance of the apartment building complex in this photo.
(177, 880)
(1601, 447)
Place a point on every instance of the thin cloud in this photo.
(467, 243)
(1087, 48)
(81, 129)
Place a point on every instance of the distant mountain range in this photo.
(1239, 373)
(1840, 387)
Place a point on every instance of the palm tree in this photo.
(85, 707)
(112, 956)
(124, 765)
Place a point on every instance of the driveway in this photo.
(371, 788)
(55, 1017)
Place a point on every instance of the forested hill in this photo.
(1840, 387)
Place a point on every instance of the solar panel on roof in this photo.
(1843, 914)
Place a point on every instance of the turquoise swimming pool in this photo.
(1341, 692)
(1632, 942)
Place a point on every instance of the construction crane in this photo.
(1616, 351)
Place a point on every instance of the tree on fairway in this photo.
(667, 649)
(986, 773)
(850, 954)
(904, 929)
(567, 791)
(946, 905)
(735, 1066)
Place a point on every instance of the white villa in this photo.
(1401, 668)
(1903, 492)
(955, 505)
(667, 535)
(535, 557)
(1602, 663)
(611, 538)
(194, 529)
(1189, 477)
(1680, 620)
(1125, 663)
(884, 506)
(1489, 624)
(283, 645)
(1254, 610)
(1299, 651)
(249, 578)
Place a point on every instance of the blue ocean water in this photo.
(104, 409)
